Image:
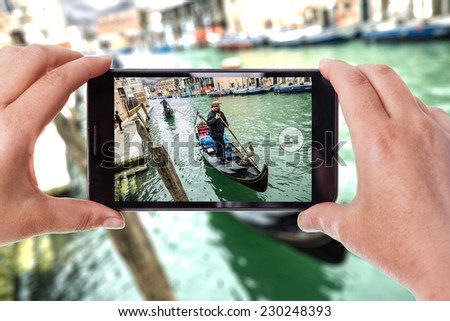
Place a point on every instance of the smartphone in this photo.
(212, 139)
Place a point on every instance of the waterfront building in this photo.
(192, 22)
(27, 21)
(119, 29)
(405, 10)
(129, 95)
(242, 17)
(166, 87)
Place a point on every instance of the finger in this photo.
(422, 105)
(323, 217)
(28, 65)
(360, 103)
(395, 96)
(441, 117)
(68, 215)
(7, 52)
(51, 92)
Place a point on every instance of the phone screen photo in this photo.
(229, 139)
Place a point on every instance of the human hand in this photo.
(400, 217)
(217, 116)
(36, 82)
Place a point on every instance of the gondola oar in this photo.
(247, 154)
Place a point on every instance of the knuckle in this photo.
(357, 79)
(37, 50)
(58, 77)
(87, 221)
(382, 69)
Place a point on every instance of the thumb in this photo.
(67, 215)
(323, 217)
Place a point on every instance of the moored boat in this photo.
(258, 90)
(283, 227)
(235, 166)
(291, 38)
(234, 43)
(217, 93)
(316, 35)
(241, 92)
(292, 89)
(390, 32)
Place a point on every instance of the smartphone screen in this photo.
(242, 139)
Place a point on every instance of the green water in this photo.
(256, 118)
(210, 256)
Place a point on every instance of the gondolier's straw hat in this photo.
(214, 103)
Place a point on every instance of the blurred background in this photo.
(217, 256)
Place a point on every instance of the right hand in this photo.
(400, 216)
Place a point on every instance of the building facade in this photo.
(129, 95)
(119, 29)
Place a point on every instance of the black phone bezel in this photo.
(100, 98)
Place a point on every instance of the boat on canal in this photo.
(391, 32)
(316, 35)
(283, 227)
(236, 165)
(240, 91)
(217, 93)
(292, 89)
(168, 112)
(290, 38)
(229, 43)
(258, 90)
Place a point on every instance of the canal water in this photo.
(211, 256)
(260, 119)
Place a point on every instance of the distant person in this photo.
(216, 128)
(399, 219)
(165, 104)
(118, 120)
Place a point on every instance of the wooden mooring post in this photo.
(163, 164)
(132, 242)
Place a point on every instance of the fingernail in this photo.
(305, 223)
(114, 223)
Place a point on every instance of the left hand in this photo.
(37, 81)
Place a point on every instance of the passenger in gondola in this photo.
(216, 128)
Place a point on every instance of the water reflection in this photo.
(268, 270)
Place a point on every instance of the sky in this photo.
(83, 12)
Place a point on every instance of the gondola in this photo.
(236, 167)
(168, 112)
(283, 227)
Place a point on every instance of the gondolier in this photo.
(216, 128)
(167, 109)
